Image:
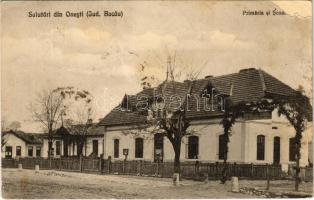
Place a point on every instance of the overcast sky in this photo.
(103, 55)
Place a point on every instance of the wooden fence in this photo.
(191, 170)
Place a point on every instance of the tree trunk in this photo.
(49, 143)
(298, 157)
(177, 151)
(80, 148)
(225, 145)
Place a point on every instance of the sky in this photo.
(104, 55)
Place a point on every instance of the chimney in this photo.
(231, 89)
(209, 76)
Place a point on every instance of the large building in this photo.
(259, 137)
(256, 138)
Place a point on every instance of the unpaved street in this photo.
(57, 184)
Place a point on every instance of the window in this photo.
(260, 147)
(30, 151)
(18, 150)
(221, 147)
(58, 148)
(292, 149)
(139, 143)
(276, 155)
(8, 152)
(95, 147)
(38, 151)
(116, 148)
(193, 147)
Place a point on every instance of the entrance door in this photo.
(276, 155)
(8, 152)
(158, 147)
(95, 148)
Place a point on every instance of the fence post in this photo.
(267, 176)
(234, 169)
(216, 169)
(81, 163)
(252, 170)
(100, 165)
(207, 167)
(20, 167)
(197, 169)
(123, 166)
(141, 167)
(109, 164)
(157, 168)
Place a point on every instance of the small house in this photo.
(19, 144)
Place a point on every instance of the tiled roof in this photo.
(249, 85)
(275, 86)
(29, 138)
(94, 130)
(118, 117)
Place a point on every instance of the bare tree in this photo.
(165, 120)
(179, 68)
(78, 120)
(50, 105)
(47, 109)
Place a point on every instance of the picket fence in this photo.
(189, 170)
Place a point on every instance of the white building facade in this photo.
(258, 140)
(272, 140)
(19, 144)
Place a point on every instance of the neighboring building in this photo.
(259, 138)
(65, 143)
(20, 144)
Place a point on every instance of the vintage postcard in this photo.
(156, 99)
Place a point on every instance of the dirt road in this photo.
(56, 184)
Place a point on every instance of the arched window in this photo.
(292, 149)
(139, 145)
(116, 148)
(260, 147)
(193, 147)
(221, 147)
(276, 154)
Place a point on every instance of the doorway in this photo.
(95, 148)
(158, 147)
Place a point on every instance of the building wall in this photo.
(89, 147)
(13, 141)
(242, 146)
(127, 141)
(45, 148)
(207, 131)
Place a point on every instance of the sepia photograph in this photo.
(156, 99)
